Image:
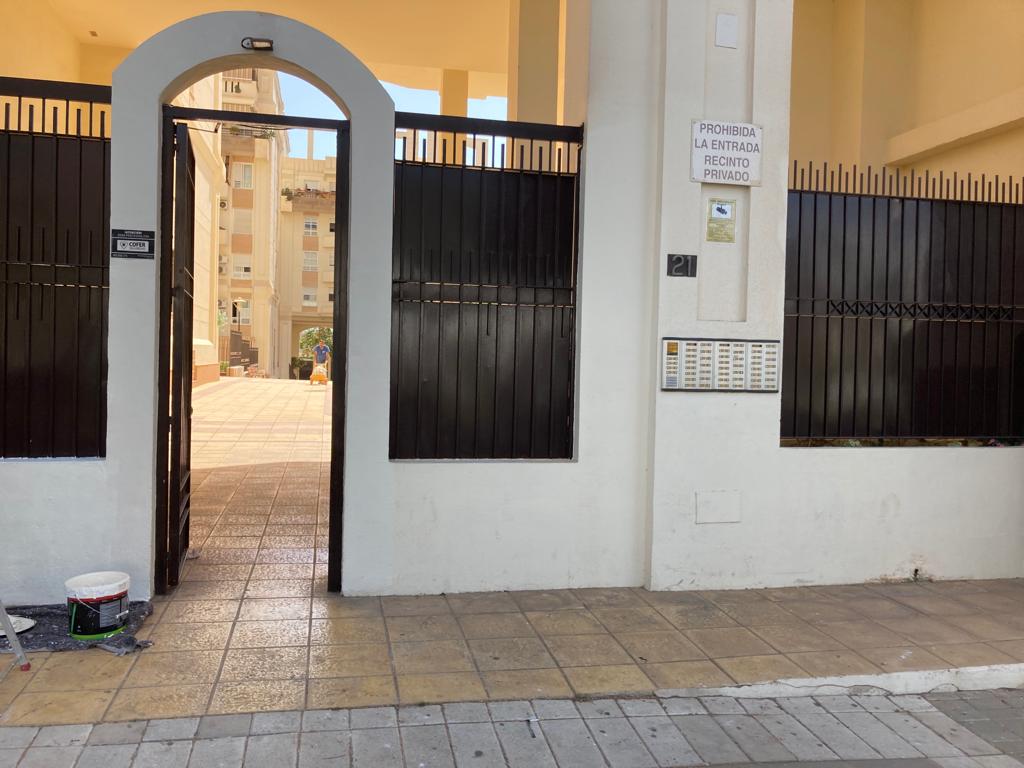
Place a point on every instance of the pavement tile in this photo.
(172, 729)
(107, 756)
(837, 737)
(215, 726)
(272, 750)
(473, 712)
(524, 745)
(722, 705)
(761, 707)
(373, 717)
(794, 737)
(708, 739)
(50, 757)
(680, 706)
(428, 746)
(878, 736)
(476, 744)
(571, 743)
(324, 749)
(325, 720)
(422, 714)
(753, 739)
(619, 742)
(275, 722)
(555, 709)
(220, 752)
(62, 736)
(598, 708)
(641, 708)
(955, 734)
(920, 737)
(510, 710)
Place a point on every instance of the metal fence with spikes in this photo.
(904, 307)
(897, 182)
(483, 288)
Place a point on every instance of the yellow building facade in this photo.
(248, 265)
(306, 234)
(922, 85)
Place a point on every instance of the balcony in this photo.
(308, 200)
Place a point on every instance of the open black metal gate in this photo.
(178, 280)
(174, 401)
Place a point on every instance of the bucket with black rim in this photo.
(97, 604)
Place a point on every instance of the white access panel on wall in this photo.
(719, 365)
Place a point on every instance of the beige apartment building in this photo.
(211, 189)
(306, 230)
(247, 289)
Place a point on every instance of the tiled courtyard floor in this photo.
(252, 628)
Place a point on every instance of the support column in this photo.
(573, 62)
(454, 92)
(533, 60)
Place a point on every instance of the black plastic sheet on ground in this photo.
(51, 630)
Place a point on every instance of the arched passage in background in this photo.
(155, 72)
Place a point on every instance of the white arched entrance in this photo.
(153, 74)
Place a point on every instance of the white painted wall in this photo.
(60, 518)
(622, 512)
(460, 525)
(804, 515)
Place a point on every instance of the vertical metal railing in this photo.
(54, 267)
(904, 309)
(484, 288)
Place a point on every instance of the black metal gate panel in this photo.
(484, 292)
(54, 271)
(174, 473)
(904, 315)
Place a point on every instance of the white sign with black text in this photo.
(726, 153)
(132, 243)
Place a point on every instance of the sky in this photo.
(304, 100)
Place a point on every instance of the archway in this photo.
(159, 69)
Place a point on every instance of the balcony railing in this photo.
(313, 200)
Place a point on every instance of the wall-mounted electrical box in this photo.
(720, 365)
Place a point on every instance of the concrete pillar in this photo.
(533, 45)
(454, 92)
(573, 61)
(310, 143)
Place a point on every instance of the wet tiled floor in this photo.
(252, 628)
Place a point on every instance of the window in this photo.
(242, 268)
(241, 175)
(241, 312)
(330, 297)
(241, 221)
(331, 226)
(311, 226)
(309, 298)
(311, 184)
(310, 261)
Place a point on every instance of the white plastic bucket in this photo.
(97, 604)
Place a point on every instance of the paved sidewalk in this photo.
(252, 628)
(626, 733)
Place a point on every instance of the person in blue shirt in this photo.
(322, 355)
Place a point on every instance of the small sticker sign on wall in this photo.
(721, 221)
(132, 243)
